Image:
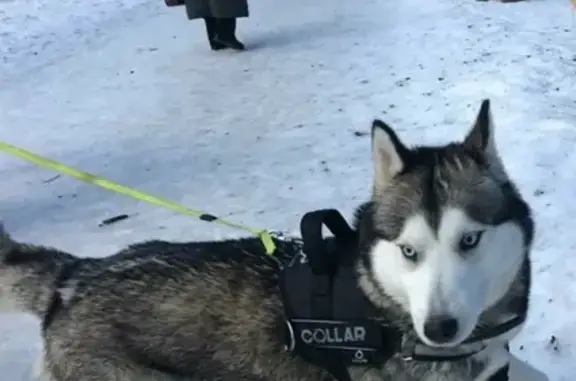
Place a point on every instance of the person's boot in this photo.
(211, 32)
(226, 34)
(174, 3)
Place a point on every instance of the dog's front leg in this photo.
(496, 360)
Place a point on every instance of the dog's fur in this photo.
(161, 311)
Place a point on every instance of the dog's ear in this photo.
(481, 139)
(388, 153)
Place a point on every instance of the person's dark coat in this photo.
(196, 9)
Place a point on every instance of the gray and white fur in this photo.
(444, 244)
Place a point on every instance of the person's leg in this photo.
(226, 33)
(212, 31)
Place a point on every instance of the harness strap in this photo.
(498, 330)
(314, 245)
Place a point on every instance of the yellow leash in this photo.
(101, 182)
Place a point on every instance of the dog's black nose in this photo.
(441, 329)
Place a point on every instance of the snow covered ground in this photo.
(129, 89)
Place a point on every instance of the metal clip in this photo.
(289, 347)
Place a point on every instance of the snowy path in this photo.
(133, 93)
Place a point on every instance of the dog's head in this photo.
(449, 231)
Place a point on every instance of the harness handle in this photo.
(314, 245)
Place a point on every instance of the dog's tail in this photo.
(6, 242)
(30, 252)
(29, 275)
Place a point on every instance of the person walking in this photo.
(220, 18)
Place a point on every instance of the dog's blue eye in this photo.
(409, 252)
(470, 240)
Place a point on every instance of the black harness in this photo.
(330, 322)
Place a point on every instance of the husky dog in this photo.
(443, 252)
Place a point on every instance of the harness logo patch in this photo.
(355, 342)
(333, 335)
